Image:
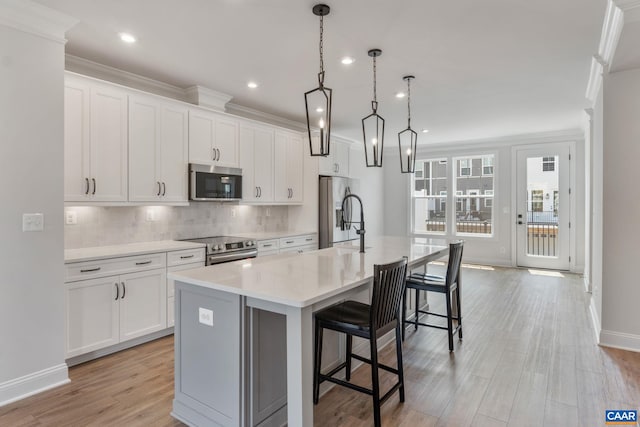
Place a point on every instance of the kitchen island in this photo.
(213, 328)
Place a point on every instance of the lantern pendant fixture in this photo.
(373, 125)
(408, 138)
(318, 101)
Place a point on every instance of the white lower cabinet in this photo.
(171, 318)
(106, 311)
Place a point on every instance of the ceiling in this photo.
(483, 68)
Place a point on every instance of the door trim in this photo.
(572, 197)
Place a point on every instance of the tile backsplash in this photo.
(100, 226)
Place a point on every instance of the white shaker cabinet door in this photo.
(263, 166)
(143, 303)
(295, 169)
(91, 315)
(250, 191)
(77, 172)
(201, 137)
(226, 142)
(108, 144)
(144, 121)
(174, 153)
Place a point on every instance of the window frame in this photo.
(488, 166)
(546, 162)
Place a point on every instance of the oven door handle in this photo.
(218, 259)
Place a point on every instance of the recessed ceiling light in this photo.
(127, 38)
(400, 95)
(347, 60)
(319, 110)
(252, 85)
(425, 130)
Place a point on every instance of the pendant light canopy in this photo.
(373, 125)
(318, 101)
(408, 138)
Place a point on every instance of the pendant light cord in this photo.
(321, 53)
(408, 103)
(375, 95)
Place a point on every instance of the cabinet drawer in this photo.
(113, 266)
(299, 249)
(268, 245)
(292, 242)
(188, 256)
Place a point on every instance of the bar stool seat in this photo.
(354, 318)
(449, 285)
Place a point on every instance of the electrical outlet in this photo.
(71, 217)
(205, 316)
(151, 214)
(33, 222)
(268, 212)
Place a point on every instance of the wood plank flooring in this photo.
(528, 359)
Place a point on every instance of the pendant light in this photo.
(408, 138)
(318, 101)
(373, 125)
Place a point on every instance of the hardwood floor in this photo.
(528, 359)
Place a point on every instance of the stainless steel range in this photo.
(226, 249)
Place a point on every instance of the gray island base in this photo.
(244, 336)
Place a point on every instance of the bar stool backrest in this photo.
(455, 259)
(388, 287)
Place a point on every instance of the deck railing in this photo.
(542, 233)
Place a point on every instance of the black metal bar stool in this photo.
(449, 285)
(369, 322)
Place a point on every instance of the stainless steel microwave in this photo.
(214, 183)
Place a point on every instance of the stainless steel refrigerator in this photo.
(335, 225)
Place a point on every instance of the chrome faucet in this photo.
(360, 231)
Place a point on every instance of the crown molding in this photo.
(36, 19)
(611, 31)
(125, 78)
(508, 140)
(631, 9)
(251, 113)
(595, 79)
(206, 97)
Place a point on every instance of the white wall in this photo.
(496, 250)
(621, 210)
(31, 181)
(597, 148)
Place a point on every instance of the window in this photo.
(474, 207)
(537, 200)
(465, 167)
(430, 197)
(488, 200)
(487, 165)
(548, 164)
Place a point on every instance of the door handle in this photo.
(94, 186)
(256, 192)
(86, 191)
(117, 291)
(159, 188)
(124, 290)
(218, 156)
(520, 223)
(164, 188)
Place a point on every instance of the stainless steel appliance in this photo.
(334, 224)
(215, 183)
(226, 249)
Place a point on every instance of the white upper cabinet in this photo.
(256, 161)
(158, 150)
(337, 162)
(95, 143)
(288, 164)
(213, 139)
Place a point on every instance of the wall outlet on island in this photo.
(205, 316)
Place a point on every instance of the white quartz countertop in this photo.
(267, 235)
(300, 280)
(114, 251)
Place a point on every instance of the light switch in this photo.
(71, 217)
(33, 222)
(205, 316)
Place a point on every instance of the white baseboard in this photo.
(37, 382)
(587, 283)
(595, 320)
(620, 340)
